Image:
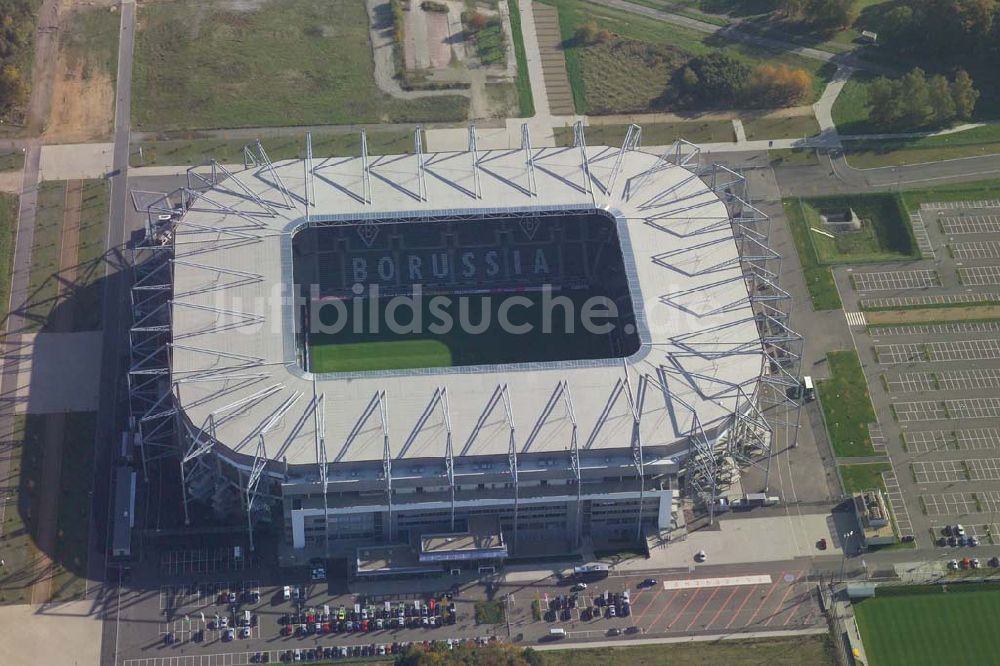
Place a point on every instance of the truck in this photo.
(751, 500)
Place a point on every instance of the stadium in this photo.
(394, 359)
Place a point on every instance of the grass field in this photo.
(885, 233)
(653, 134)
(43, 282)
(788, 651)
(819, 279)
(933, 625)
(89, 289)
(885, 236)
(525, 101)
(847, 406)
(8, 232)
(384, 355)
(456, 345)
(969, 143)
(42, 285)
(794, 127)
(631, 73)
(793, 157)
(857, 478)
(293, 62)
(287, 146)
(11, 161)
(73, 526)
(971, 191)
(17, 541)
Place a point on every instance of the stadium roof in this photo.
(234, 361)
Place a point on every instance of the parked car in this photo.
(649, 582)
(953, 564)
(614, 631)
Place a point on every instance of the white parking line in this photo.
(895, 280)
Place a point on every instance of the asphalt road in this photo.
(114, 316)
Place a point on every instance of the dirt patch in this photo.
(82, 103)
(82, 95)
(438, 39)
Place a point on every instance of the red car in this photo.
(286, 630)
(310, 618)
(327, 628)
(364, 625)
(431, 604)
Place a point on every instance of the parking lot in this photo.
(895, 280)
(702, 604)
(935, 384)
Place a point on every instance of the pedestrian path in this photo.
(553, 60)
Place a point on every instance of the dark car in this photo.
(614, 631)
(649, 582)
(632, 630)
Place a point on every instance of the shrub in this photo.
(477, 22)
(432, 6)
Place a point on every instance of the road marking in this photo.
(740, 609)
(856, 319)
(761, 605)
(762, 579)
(722, 607)
(702, 609)
(784, 598)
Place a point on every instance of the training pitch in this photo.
(953, 624)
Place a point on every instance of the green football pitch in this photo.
(935, 625)
(359, 351)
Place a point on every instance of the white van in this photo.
(808, 390)
(286, 593)
(557, 633)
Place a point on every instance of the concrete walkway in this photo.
(706, 638)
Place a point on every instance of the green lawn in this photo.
(524, 98)
(851, 109)
(819, 279)
(490, 612)
(11, 161)
(794, 157)
(91, 35)
(780, 128)
(42, 283)
(73, 526)
(631, 72)
(858, 478)
(17, 540)
(8, 232)
(88, 292)
(934, 625)
(230, 151)
(786, 651)
(351, 350)
(288, 62)
(387, 355)
(969, 143)
(847, 406)
(885, 234)
(971, 191)
(653, 134)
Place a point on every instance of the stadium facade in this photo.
(530, 455)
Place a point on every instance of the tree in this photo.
(916, 101)
(942, 104)
(587, 33)
(831, 14)
(964, 95)
(477, 22)
(720, 80)
(778, 85)
(882, 100)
